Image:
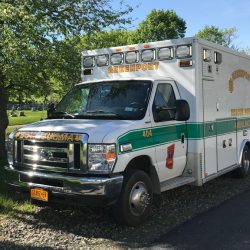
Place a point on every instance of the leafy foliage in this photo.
(160, 25)
(34, 44)
(36, 53)
(106, 39)
(214, 34)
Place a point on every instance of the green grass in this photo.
(8, 205)
(30, 117)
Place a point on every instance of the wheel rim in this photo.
(139, 199)
(245, 161)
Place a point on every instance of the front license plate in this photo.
(39, 194)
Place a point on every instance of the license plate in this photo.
(39, 194)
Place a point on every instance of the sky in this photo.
(198, 13)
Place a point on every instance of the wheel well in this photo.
(248, 144)
(244, 144)
(144, 163)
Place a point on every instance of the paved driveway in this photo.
(225, 227)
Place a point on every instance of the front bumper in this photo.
(67, 189)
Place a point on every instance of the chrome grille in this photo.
(51, 156)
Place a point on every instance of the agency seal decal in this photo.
(237, 74)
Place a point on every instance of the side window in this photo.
(164, 103)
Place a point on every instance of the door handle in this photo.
(211, 127)
(182, 138)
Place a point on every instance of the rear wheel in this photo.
(135, 201)
(244, 168)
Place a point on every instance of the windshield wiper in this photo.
(103, 112)
(61, 114)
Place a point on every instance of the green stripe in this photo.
(195, 130)
(226, 126)
(173, 133)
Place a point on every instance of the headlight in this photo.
(101, 158)
(10, 148)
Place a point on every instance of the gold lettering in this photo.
(77, 138)
(144, 66)
(147, 133)
(156, 65)
(127, 68)
(121, 68)
(150, 66)
(48, 136)
(110, 69)
(138, 67)
(115, 69)
(132, 67)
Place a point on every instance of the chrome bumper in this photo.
(87, 190)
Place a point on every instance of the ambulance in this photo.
(145, 119)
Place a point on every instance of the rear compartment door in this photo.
(226, 143)
(220, 144)
(209, 127)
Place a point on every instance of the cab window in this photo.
(164, 103)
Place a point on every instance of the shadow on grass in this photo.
(10, 203)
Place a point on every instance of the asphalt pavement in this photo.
(224, 227)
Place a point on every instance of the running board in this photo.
(176, 182)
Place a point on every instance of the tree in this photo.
(245, 51)
(214, 34)
(105, 39)
(160, 25)
(32, 33)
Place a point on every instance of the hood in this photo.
(96, 129)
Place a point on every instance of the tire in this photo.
(244, 168)
(135, 201)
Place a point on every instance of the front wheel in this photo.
(135, 201)
(243, 170)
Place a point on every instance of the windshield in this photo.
(106, 100)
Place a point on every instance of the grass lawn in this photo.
(8, 202)
(28, 118)
(8, 205)
(18, 122)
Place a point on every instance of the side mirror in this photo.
(182, 110)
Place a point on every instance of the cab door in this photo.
(169, 135)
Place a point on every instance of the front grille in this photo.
(50, 156)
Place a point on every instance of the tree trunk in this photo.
(3, 121)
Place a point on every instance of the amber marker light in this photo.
(110, 156)
(131, 48)
(118, 49)
(146, 46)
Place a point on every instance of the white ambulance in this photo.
(146, 118)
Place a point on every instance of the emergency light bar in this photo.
(88, 61)
(147, 54)
(132, 57)
(116, 59)
(165, 53)
(102, 60)
(184, 51)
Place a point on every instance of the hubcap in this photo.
(245, 161)
(139, 199)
